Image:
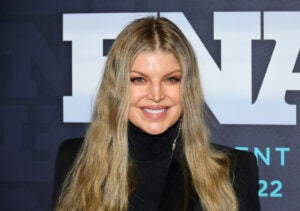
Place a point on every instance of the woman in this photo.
(148, 147)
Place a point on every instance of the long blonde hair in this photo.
(100, 178)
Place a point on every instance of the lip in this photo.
(154, 112)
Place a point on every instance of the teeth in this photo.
(157, 111)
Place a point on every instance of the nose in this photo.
(156, 92)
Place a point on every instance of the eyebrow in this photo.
(174, 71)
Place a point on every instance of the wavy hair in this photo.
(101, 176)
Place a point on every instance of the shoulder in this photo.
(243, 165)
(66, 155)
(244, 174)
(67, 152)
(240, 160)
(70, 147)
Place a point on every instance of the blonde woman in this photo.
(148, 147)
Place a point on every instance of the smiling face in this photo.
(155, 103)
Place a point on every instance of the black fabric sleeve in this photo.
(245, 179)
(66, 155)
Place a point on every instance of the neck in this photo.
(146, 147)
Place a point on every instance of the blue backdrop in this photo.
(248, 52)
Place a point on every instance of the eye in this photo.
(137, 79)
(173, 79)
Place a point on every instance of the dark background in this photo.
(36, 73)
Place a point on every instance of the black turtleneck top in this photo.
(162, 177)
(151, 156)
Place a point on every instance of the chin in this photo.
(155, 130)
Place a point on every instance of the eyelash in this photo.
(137, 79)
(171, 79)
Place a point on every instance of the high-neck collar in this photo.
(148, 148)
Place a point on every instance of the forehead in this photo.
(148, 60)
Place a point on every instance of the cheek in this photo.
(136, 95)
(174, 95)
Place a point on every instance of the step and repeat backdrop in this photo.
(51, 60)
